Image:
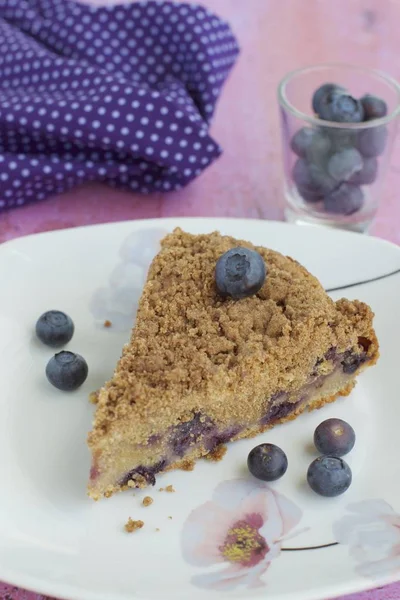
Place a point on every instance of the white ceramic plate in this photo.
(55, 540)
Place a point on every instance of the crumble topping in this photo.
(190, 348)
(107, 323)
(131, 526)
(147, 500)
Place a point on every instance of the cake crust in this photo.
(193, 352)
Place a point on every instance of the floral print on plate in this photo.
(372, 532)
(118, 301)
(242, 528)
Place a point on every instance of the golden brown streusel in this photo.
(147, 500)
(107, 323)
(170, 489)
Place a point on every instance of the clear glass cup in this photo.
(322, 188)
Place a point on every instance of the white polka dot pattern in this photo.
(122, 95)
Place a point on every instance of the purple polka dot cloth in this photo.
(122, 94)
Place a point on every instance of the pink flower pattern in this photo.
(372, 532)
(243, 527)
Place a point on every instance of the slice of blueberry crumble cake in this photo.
(230, 339)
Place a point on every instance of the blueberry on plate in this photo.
(334, 437)
(342, 108)
(368, 173)
(342, 165)
(372, 142)
(329, 476)
(374, 107)
(240, 273)
(267, 462)
(67, 371)
(54, 328)
(310, 143)
(321, 96)
(344, 200)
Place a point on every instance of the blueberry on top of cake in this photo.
(203, 368)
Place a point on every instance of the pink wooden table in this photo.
(275, 37)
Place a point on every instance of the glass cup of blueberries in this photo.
(338, 126)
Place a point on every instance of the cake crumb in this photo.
(170, 489)
(107, 323)
(94, 397)
(147, 500)
(187, 465)
(161, 490)
(217, 454)
(131, 525)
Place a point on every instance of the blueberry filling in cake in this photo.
(225, 346)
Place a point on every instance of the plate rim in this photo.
(77, 593)
(330, 231)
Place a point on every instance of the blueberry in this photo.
(239, 273)
(351, 362)
(341, 139)
(374, 107)
(279, 411)
(147, 473)
(67, 371)
(342, 165)
(309, 196)
(344, 200)
(368, 173)
(322, 94)
(372, 142)
(323, 183)
(54, 328)
(302, 176)
(310, 143)
(267, 462)
(311, 181)
(334, 437)
(329, 476)
(186, 434)
(341, 108)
